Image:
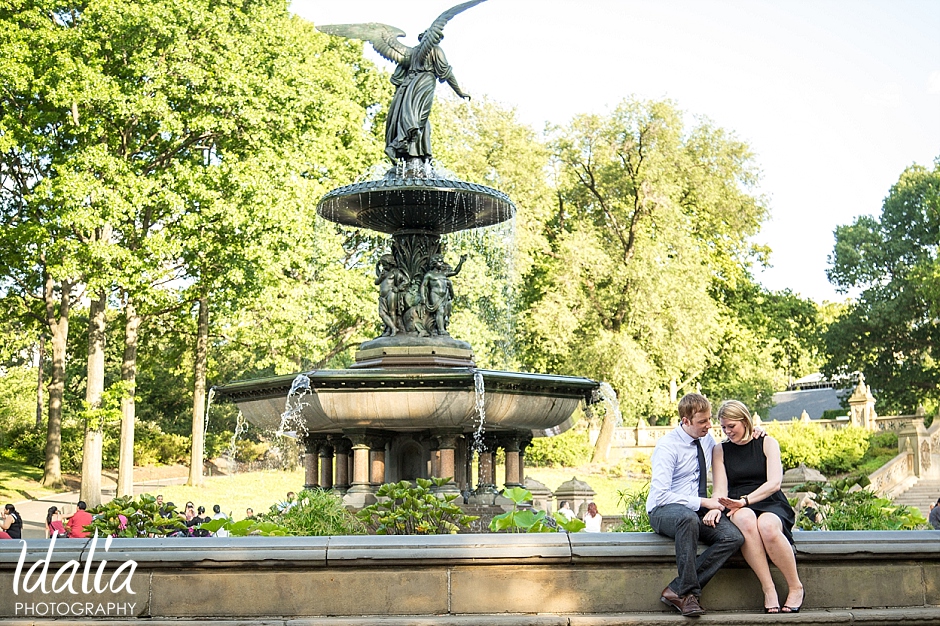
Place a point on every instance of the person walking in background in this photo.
(11, 522)
(592, 519)
(934, 518)
(679, 508)
(747, 475)
(75, 525)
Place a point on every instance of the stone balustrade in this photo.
(556, 578)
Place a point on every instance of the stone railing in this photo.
(546, 579)
(893, 477)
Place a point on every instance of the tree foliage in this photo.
(650, 213)
(891, 332)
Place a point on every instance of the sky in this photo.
(835, 97)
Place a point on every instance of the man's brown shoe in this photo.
(687, 605)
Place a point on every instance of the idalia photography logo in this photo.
(86, 589)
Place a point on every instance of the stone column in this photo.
(510, 445)
(524, 443)
(447, 460)
(435, 470)
(360, 493)
(326, 465)
(461, 476)
(311, 464)
(862, 406)
(485, 471)
(377, 458)
(342, 449)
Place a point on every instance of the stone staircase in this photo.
(921, 495)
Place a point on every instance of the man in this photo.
(679, 508)
(75, 525)
(934, 518)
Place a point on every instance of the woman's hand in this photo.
(732, 505)
(711, 518)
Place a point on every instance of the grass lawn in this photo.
(20, 481)
(236, 492)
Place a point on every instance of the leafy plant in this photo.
(314, 513)
(245, 527)
(846, 505)
(523, 519)
(415, 510)
(127, 517)
(635, 518)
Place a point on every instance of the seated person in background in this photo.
(592, 519)
(249, 513)
(54, 526)
(747, 473)
(934, 518)
(11, 522)
(200, 518)
(218, 514)
(75, 525)
(564, 507)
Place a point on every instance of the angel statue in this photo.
(407, 130)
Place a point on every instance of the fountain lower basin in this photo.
(417, 399)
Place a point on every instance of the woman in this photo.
(747, 473)
(592, 519)
(54, 526)
(12, 523)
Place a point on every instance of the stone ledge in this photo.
(871, 617)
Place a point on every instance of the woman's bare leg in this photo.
(753, 551)
(780, 551)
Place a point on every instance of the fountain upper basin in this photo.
(434, 205)
(415, 399)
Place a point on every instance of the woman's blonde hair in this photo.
(736, 411)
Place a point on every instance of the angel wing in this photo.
(384, 38)
(435, 32)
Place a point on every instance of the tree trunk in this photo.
(40, 370)
(199, 393)
(604, 439)
(59, 329)
(125, 483)
(91, 454)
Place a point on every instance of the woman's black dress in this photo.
(746, 468)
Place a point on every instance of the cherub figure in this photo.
(437, 292)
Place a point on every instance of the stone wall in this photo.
(475, 578)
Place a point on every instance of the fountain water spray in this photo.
(292, 418)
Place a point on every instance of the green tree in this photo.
(891, 332)
(649, 214)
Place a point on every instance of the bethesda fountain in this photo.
(414, 404)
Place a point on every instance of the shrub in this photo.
(409, 510)
(635, 518)
(141, 518)
(847, 506)
(569, 449)
(831, 451)
(315, 513)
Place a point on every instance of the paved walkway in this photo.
(34, 511)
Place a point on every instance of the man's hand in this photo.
(710, 503)
(711, 518)
(757, 432)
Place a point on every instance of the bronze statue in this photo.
(392, 281)
(407, 131)
(437, 291)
